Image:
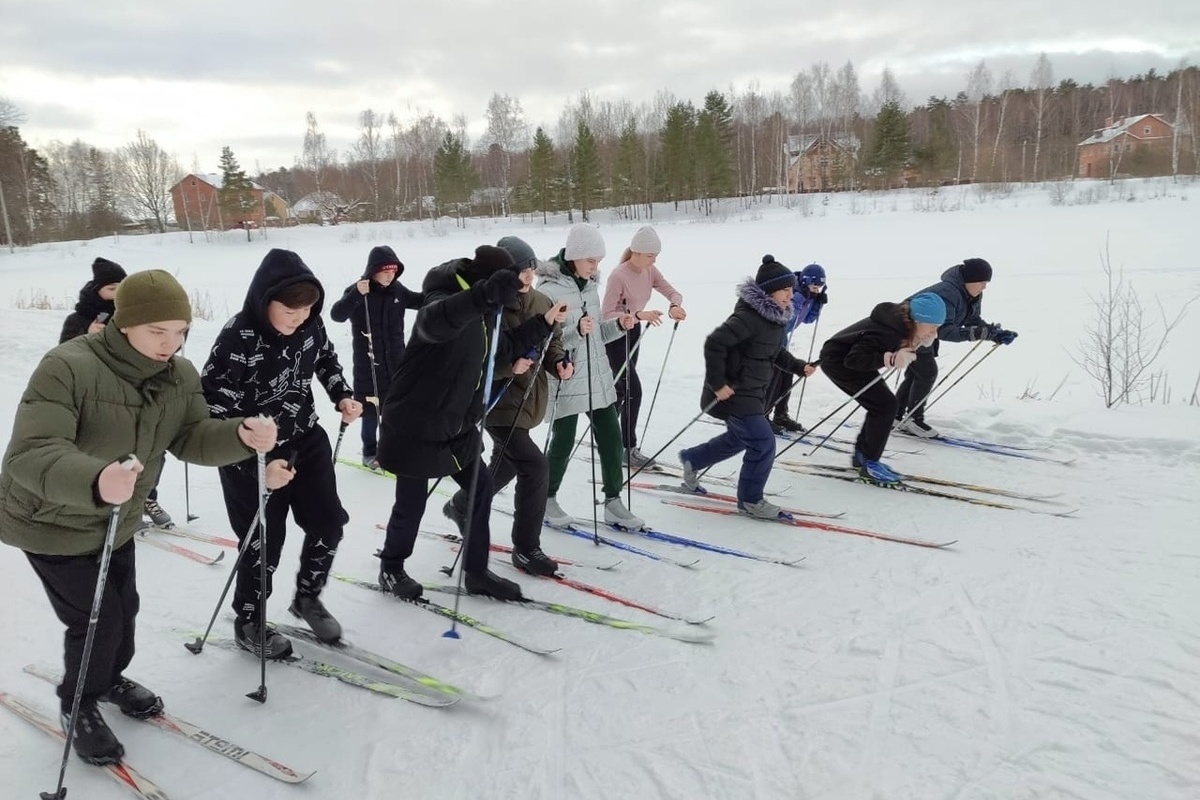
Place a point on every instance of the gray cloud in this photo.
(450, 57)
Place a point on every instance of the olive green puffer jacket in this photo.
(92, 401)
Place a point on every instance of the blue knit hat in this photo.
(927, 307)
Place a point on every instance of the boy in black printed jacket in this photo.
(263, 362)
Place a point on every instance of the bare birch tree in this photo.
(508, 132)
(1007, 84)
(368, 155)
(888, 91)
(1042, 80)
(979, 87)
(317, 158)
(144, 174)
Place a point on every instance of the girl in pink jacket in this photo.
(627, 292)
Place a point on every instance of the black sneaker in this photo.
(159, 518)
(94, 741)
(277, 646)
(398, 583)
(490, 584)
(313, 611)
(133, 699)
(782, 423)
(459, 518)
(534, 561)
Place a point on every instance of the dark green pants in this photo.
(608, 441)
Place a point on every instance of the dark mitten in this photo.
(501, 288)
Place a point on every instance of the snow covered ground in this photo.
(1040, 657)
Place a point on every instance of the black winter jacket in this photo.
(744, 353)
(860, 347)
(89, 307)
(429, 421)
(963, 321)
(253, 369)
(385, 306)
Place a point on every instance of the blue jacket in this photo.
(806, 309)
(963, 321)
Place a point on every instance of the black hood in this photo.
(889, 316)
(446, 277)
(381, 256)
(278, 270)
(90, 304)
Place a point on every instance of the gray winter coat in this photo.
(556, 284)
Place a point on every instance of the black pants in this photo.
(918, 382)
(629, 385)
(370, 425)
(781, 406)
(70, 583)
(405, 521)
(523, 460)
(312, 498)
(878, 401)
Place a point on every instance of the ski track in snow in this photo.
(1039, 657)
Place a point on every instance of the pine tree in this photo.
(587, 169)
(890, 149)
(235, 196)
(541, 173)
(678, 157)
(714, 132)
(454, 175)
(102, 216)
(938, 155)
(628, 169)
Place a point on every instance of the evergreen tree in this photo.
(235, 196)
(714, 133)
(628, 169)
(102, 215)
(28, 191)
(541, 173)
(890, 150)
(938, 154)
(587, 169)
(678, 158)
(454, 175)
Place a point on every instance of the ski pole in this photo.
(967, 372)
(587, 342)
(110, 536)
(804, 386)
(260, 694)
(661, 372)
(625, 368)
(469, 528)
(341, 433)
(883, 376)
(662, 449)
(799, 378)
(915, 406)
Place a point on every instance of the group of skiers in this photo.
(488, 352)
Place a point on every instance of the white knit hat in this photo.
(646, 241)
(584, 241)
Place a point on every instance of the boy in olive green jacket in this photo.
(90, 403)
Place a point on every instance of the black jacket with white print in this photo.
(253, 369)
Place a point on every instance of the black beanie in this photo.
(773, 276)
(381, 257)
(522, 254)
(975, 270)
(105, 272)
(488, 260)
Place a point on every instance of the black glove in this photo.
(1001, 336)
(983, 331)
(501, 287)
(820, 299)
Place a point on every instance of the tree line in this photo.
(623, 156)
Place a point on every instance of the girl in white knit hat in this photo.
(574, 276)
(628, 292)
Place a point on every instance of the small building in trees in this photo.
(323, 206)
(197, 199)
(1138, 145)
(820, 162)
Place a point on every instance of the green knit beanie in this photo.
(150, 296)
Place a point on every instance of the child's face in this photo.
(385, 277)
(108, 291)
(157, 340)
(586, 267)
(925, 334)
(286, 320)
(642, 260)
(783, 297)
(975, 288)
(527, 276)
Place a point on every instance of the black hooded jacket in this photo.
(745, 351)
(89, 307)
(384, 306)
(860, 347)
(429, 423)
(253, 369)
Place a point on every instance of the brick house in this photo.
(820, 163)
(198, 205)
(1130, 145)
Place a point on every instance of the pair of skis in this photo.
(146, 535)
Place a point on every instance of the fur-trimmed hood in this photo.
(761, 303)
(555, 269)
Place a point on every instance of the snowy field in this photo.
(1039, 657)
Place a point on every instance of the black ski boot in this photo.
(782, 423)
(277, 646)
(534, 561)
(453, 513)
(94, 741)
(313, 611)
(398, 583)
(133, 699)
(490, 584)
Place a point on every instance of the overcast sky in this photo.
(197, 76)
